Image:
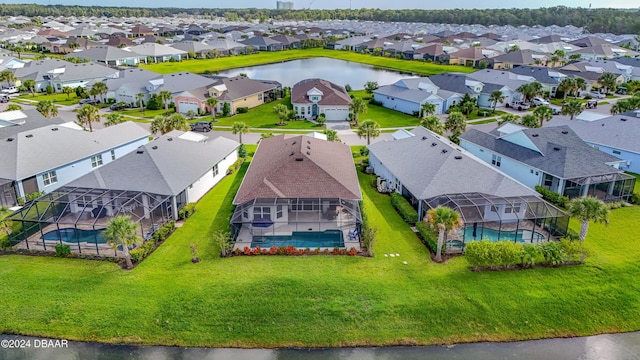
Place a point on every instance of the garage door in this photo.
(335, 114)
(185, 106)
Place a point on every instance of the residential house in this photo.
(516, 58)
(430, 171)
(456, 83)
(141, 30)
(237, 91)
(408, 96)
(503, 81)
(553, 157)
(622, 72)
(65, 46)
(109, 55)
(603, 52)
(261, 43)
(299, 191)
(158, 52)
(433, 52)
(227, 46)
(312, 97)
(548, 77)
(200, 49)
(471, 56)
(288, 42)
(60, 74)
(45, 158)
(589, 41)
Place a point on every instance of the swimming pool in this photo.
(521, 235)
(301, 239)
(72, 235)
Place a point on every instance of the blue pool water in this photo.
(72, 235)
(301, 239)
(492, 235)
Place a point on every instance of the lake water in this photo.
(337, 71)
(601, 347)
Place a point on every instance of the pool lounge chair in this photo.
(353, 234)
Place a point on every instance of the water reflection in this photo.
(338, 71)
(602, 347)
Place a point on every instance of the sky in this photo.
(333, 4)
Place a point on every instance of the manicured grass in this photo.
(147, 114)
(263, 117)
(484, 113)
(386, 118)
(232, 62)
(321, 300)
(58, 98)
(479, 122)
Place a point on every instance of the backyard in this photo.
(321, 301)
(261, 58)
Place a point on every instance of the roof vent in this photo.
(434, 144)
(565, 132)
(9, 139)
(534, 135)
(29, 135)
(291, 153)
(293, 143)
(54, 129)
(170, 139)
(444, 151)
(424, 138)
(308, 153)
(154, 147)
(621, 119)
(556, 148)
(458, 157)
(299, 159)
(308, 142)
(309, 147)
(140, 151)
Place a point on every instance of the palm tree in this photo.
(432, 123)
(239, 128)
(121, 231)
(139, 100)
(581, 85)
(47, 108)
(8, 76)
(101, 89)
(513, 118)
(212, 103)
(178, 122)
(586, 209)
(164, 124)
(18, 49)
(357, 107)
(567, 85)
(113, 119)
(159, 124)
(88, 114)
(572, 108)
(444, 220)
(607, 81)
(542, 114)
(30, 84)
(530, 90)
(530, 121)
(456, 124)
(496, 97)
(368, 129)
(165, 96)
(619, 107)
(427, 109)
(282, 111)
(332, 135)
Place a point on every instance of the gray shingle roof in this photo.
(454, 82)
(562, 152)
(103, 53)
(610, 131)
(240, 86)
(540, 73)
(164, 166)
(24, 120)
(38, 150)
(426, 171)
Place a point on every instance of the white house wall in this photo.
(380, 170)
(201, 186)
(632, 159)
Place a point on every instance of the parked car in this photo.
(538, 101)
(596, 95)
(556, 110)
(118, 106)
(519, 105)
(4, 99)
(89, 101)
(201, 126)
(10, 90)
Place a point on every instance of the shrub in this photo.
(49, 89)
(4, 242)
(242, 110)
(62, 250)
(364, 151)
(242, 151)
(375, 102)
(235, 166)
(222, 240)
(347, 88)
(429, 236)
(226, 109)
(187, 211)
(635, 199)
(154, 103)
(531, 254)
(573, 250)
(553, 252)
(404, 208)
(553, 197)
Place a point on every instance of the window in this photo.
(296, 108)
(548, 180)
(245, 214)
(508, 209)
(279, 212)
(96, 160)
(113, 154)
(496, 160)
(494, 208)
(262, 212)
(215, 170)
(260, 96)
(616, 152)
(49, 178)
(308, 109)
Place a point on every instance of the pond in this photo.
(601, 347)
(337, 71)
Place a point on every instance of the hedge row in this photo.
(404, 208)
(138, 254)
(508, 254)
(187, 211)
(553, 197)
(235, 166)
(429, 236)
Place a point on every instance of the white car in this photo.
(538, 101)
(596, 95)
(10, 90)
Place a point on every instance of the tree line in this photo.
(617, 21)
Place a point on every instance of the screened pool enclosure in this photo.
(78, 216)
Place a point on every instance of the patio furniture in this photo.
(261, 222)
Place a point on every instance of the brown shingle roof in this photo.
(332, 94)
(239, 87)
(299, 166)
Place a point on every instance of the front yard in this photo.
(321, 301)
(57, 98)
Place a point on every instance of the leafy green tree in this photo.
(542, 114)
(5, 221)
(370, 87)
(443, 220)
(113, 119)
(30, 84)
(282, 111)
(433, 123)
(607, 81)
(121, 232)
(512, 118)
(586, 209)
(239, 128)
(357, 107)
(47, 108)
(13, 107)
(496, 97)
(226, 109)
(88, 114)
(212, 103)
(572, 108)
(331, 134)
(468, 104)
(321, 119)
(165, 96)
(530, 121)
(456, 124)
(368, 129)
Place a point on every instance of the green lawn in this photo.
(147, 114)
(58, 98)
(321, 301)
(232, 62)
(263, 117)
(386, 118)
